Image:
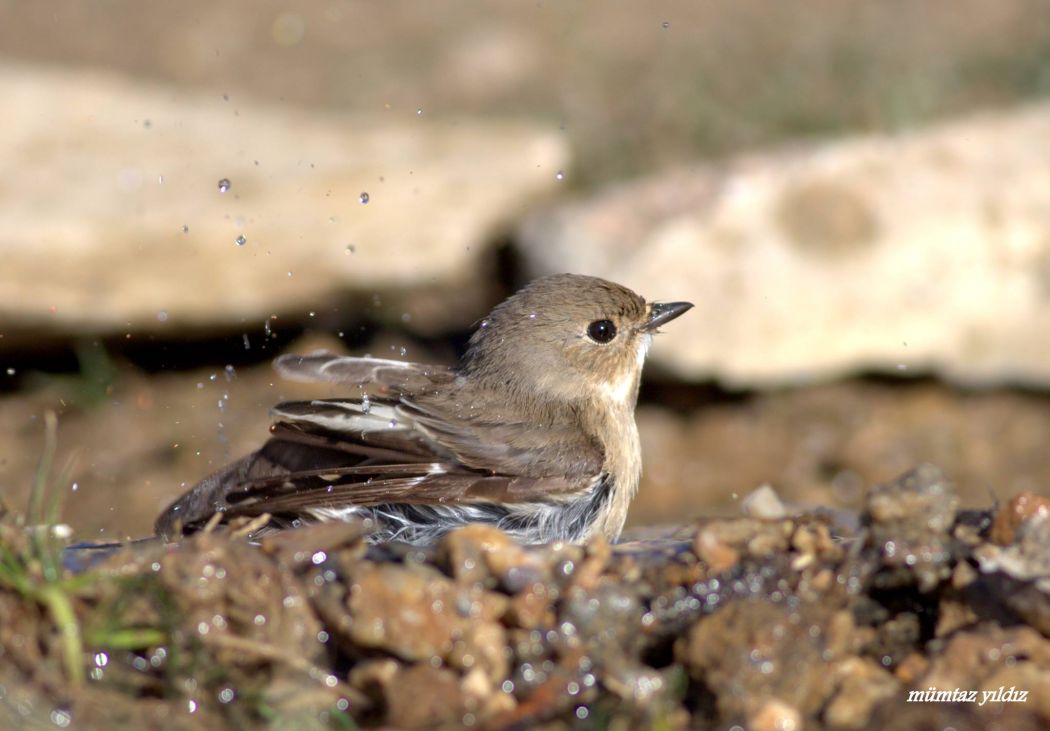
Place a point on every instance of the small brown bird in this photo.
(533, 432)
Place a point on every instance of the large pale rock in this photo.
(928, 251)
(111, 217)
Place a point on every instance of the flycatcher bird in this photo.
(532, 432)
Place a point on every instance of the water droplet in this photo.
(366, 404)
(240, 240)
(160, 180)
(224, 185)
(61, 717)
(402, 351)
(350, 248)
(319, 558)
(364, 198)
(75, 487)
(419, 112)
(191, 706)
(226, 695)
(162, 316)
(230, 372)
(560, 175)
(393, 424)
(11, 371)
(185, 229)
(247, 343)
(665, 24)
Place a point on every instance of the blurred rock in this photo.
(927, 251)
(1025, 506)
(1021, 572)
(909, 520)
(739, 654)
(113, 219)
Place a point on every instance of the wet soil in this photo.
(913, 613)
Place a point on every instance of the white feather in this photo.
(621, 392)
(378, 417)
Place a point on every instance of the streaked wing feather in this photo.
(391, 376)
(437, 489)
(346, 425)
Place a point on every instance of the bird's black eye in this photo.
(601, 331)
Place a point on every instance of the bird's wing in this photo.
(337, 453)
(391, 377)
(504, 439)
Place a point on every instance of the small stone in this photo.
(763, 503)
(864, 685)
(1020, 508)
(910, 519)
(775, 715)
(718, 555)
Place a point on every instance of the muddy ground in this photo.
(917, 615)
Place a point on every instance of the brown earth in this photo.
(918, 613)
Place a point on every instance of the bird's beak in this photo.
(663, 312)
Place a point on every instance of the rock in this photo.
(864, 686)
(416, 614)
(483, 554)
(716, 554)
(990, 657)
(740, 654)
(229, 592)
(910, 518)
(763, 503)
(1021, 508)
(113, 219)
(436, 700)
(1020, 573)
(775, 715)
(924, 251)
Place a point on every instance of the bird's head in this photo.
(568, 337)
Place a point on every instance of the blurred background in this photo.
(856, 197)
